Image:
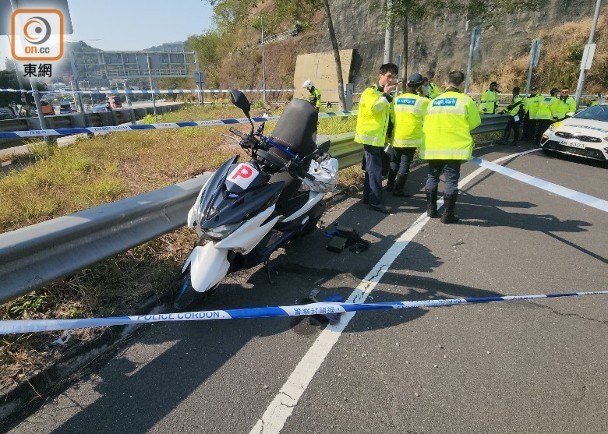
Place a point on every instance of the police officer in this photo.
(515, 110)
(489, 100)
(565, 104)
(546, 114)
(531, 103)
(431, 89)
(448, 142)
(375, 113)
(315, 94)
(410, 109)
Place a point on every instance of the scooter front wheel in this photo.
(188, 296)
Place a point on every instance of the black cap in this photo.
(555, 89)
(493, 84)
(415, 78)
(516, 89)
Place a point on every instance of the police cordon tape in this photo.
(164, 91)
(574, 195)
(144, 91)
(109, 128)
(42, 325)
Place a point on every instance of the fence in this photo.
(79, 120)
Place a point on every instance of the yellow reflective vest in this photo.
(531, 105)
(433, 90)
(315, 98)
(564, 106)
(410, 110)
(447, 127)
(517, 105)
(375, 111)
(488, 103)
(546, 108)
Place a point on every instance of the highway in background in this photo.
(537, 366)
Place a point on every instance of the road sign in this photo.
(536, 44)
(587, 57)
(199, 77)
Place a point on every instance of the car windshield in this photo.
(596, 113)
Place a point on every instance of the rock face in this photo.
(441, 45)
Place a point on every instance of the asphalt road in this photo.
(508, 367)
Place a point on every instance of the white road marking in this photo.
(283, 404)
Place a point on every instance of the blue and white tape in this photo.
(42, 325)
(144, 91)
(130, 127)
(574, 195)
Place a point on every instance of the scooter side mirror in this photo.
(240, 100)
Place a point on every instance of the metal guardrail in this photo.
(33, 256)
(78, 120)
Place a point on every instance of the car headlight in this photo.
(220, 232)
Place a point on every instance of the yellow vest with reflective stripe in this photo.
(315, 98)
(546, 108)
(517, 104)
(531, 105)
(489, 100)
(373, 117)
(562, 107)
(410, 110)
(433, 90)
(447, 127)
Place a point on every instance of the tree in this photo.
(209, 48)
(485, 12)
(313, 4)
(404, 12)
(229, 13)
(8, 80)
(336, 49)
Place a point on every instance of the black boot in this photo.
(449, 203)
(399, 189)
(390, 183)
(431, 203)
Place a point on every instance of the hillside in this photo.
(437, 45)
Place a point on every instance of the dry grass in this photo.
(561, 52)
(52, 182)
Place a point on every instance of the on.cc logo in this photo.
(37, 34)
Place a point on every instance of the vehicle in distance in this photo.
(65, 107)
(585, 134)
(47, 109)
(98, 108)
(115, 102)
(6, 113)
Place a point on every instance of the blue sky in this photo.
(137, 24)
(127, 25)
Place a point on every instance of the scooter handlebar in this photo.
(237, 133)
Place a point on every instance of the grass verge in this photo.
(52, 182)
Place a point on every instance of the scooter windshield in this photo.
(297, 126)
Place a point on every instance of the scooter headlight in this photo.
(220, 232)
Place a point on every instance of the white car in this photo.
(585, 134)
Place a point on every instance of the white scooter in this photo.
(247, 210)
